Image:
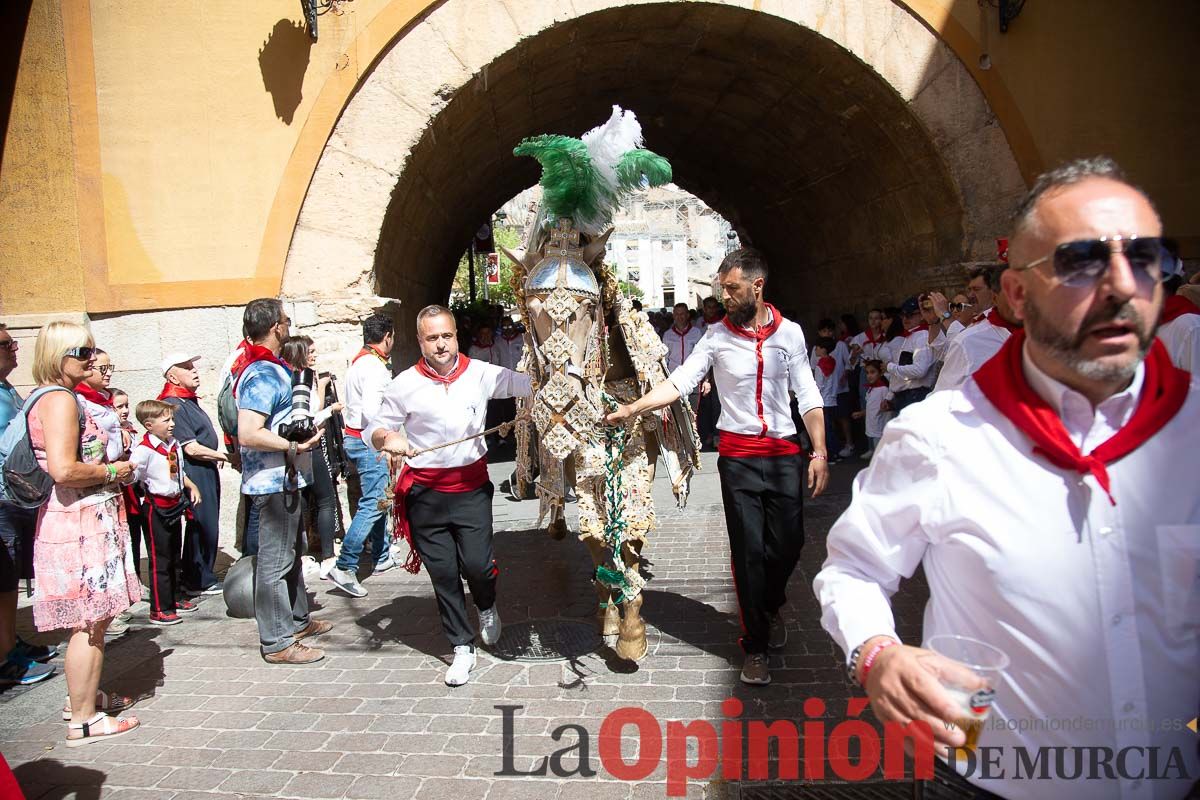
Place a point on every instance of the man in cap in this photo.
(202, 458)
(910, 363)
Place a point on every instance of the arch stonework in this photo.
(342, 254)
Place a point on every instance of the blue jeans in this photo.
(369, 520)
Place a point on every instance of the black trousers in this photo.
(203, 530)
(452, 532)
(764, 513)
(166, 544)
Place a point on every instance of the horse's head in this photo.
(563, 305)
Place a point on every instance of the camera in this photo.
(299, 425)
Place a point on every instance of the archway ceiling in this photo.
(811, 155)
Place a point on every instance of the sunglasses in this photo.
(959, 306)
(106, 369)
(1082, 263)
(81, 353)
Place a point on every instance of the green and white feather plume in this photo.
(587, 179)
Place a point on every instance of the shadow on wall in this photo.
(283, 61)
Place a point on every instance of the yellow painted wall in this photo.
(39, 244)
(158, 153)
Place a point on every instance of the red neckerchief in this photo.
(175, 390)
(760, 332)
(369, 350)
(681, 333)
(922, 327)
(508, 338)
(165, 452)
(93, 395)
(477, 343)
(252, 353)
(994, 317)
(827, 364)
(870, 334)
(1175, 307)
(879, 384)
(429, 372)
(444, 479)
(1002, 380)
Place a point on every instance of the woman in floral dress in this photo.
(81, 551)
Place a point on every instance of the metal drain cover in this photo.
(546, 640)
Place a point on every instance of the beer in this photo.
(974, 708)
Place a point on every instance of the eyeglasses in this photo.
(1082, 263)
(959, 306)
(11, 345)
(81, 353)
(106, 369)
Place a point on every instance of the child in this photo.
(878, 406)
(826, 374)
(157, 461)
(132, 492)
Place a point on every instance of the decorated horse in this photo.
(588, 350)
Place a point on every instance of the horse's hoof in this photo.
(633, 649)
(558, 529)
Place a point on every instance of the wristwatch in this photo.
(946, 315)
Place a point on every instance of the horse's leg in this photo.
(608, 616)
(631, 645)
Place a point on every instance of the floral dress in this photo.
(81, 552)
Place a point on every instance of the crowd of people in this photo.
(1037, 397)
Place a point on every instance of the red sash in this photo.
(453, 480)
(741, 445)
(1002, 380)
(1175, 307)
(175, 390)
(93, 396)
(994, 317)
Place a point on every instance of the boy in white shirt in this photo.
(826, 374)
(157, 464)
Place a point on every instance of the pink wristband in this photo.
(871, 655)
(818, 456)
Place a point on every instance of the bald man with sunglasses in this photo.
(1042, 500)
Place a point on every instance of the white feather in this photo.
(606, 144)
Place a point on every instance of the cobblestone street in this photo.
(374, 718)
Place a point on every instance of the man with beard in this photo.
(973, 346)
(756, 357)
(1039, 500)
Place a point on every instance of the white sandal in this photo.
(108, 703)
(110, 728)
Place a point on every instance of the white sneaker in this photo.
(347, 581)
(846, 451)
(464, 661)
(327, 565)
(384, 563)
(489, 625)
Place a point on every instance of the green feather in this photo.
(570, 187)
(637, 163)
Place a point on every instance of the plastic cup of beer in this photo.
(982, 661)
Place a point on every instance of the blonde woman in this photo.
(81, 554)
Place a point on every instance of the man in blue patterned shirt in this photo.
(274, 470)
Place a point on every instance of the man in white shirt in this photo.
(756, 357)
(443, 496)
(983, 284)
(910, 367)
(1179, 325)
(969, 350)
(681, 337)
(511, 344)
(369, 374)
(1081, 568)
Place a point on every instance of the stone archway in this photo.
(857, 150)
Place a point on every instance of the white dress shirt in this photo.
(944, 337)
(1182, 339)
(152, 469)
(433, 413)
(1096, 605)
(968, 352)
(680, 344)
(746, 384)
(870, 350)
(917, 374)
(366, 379)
